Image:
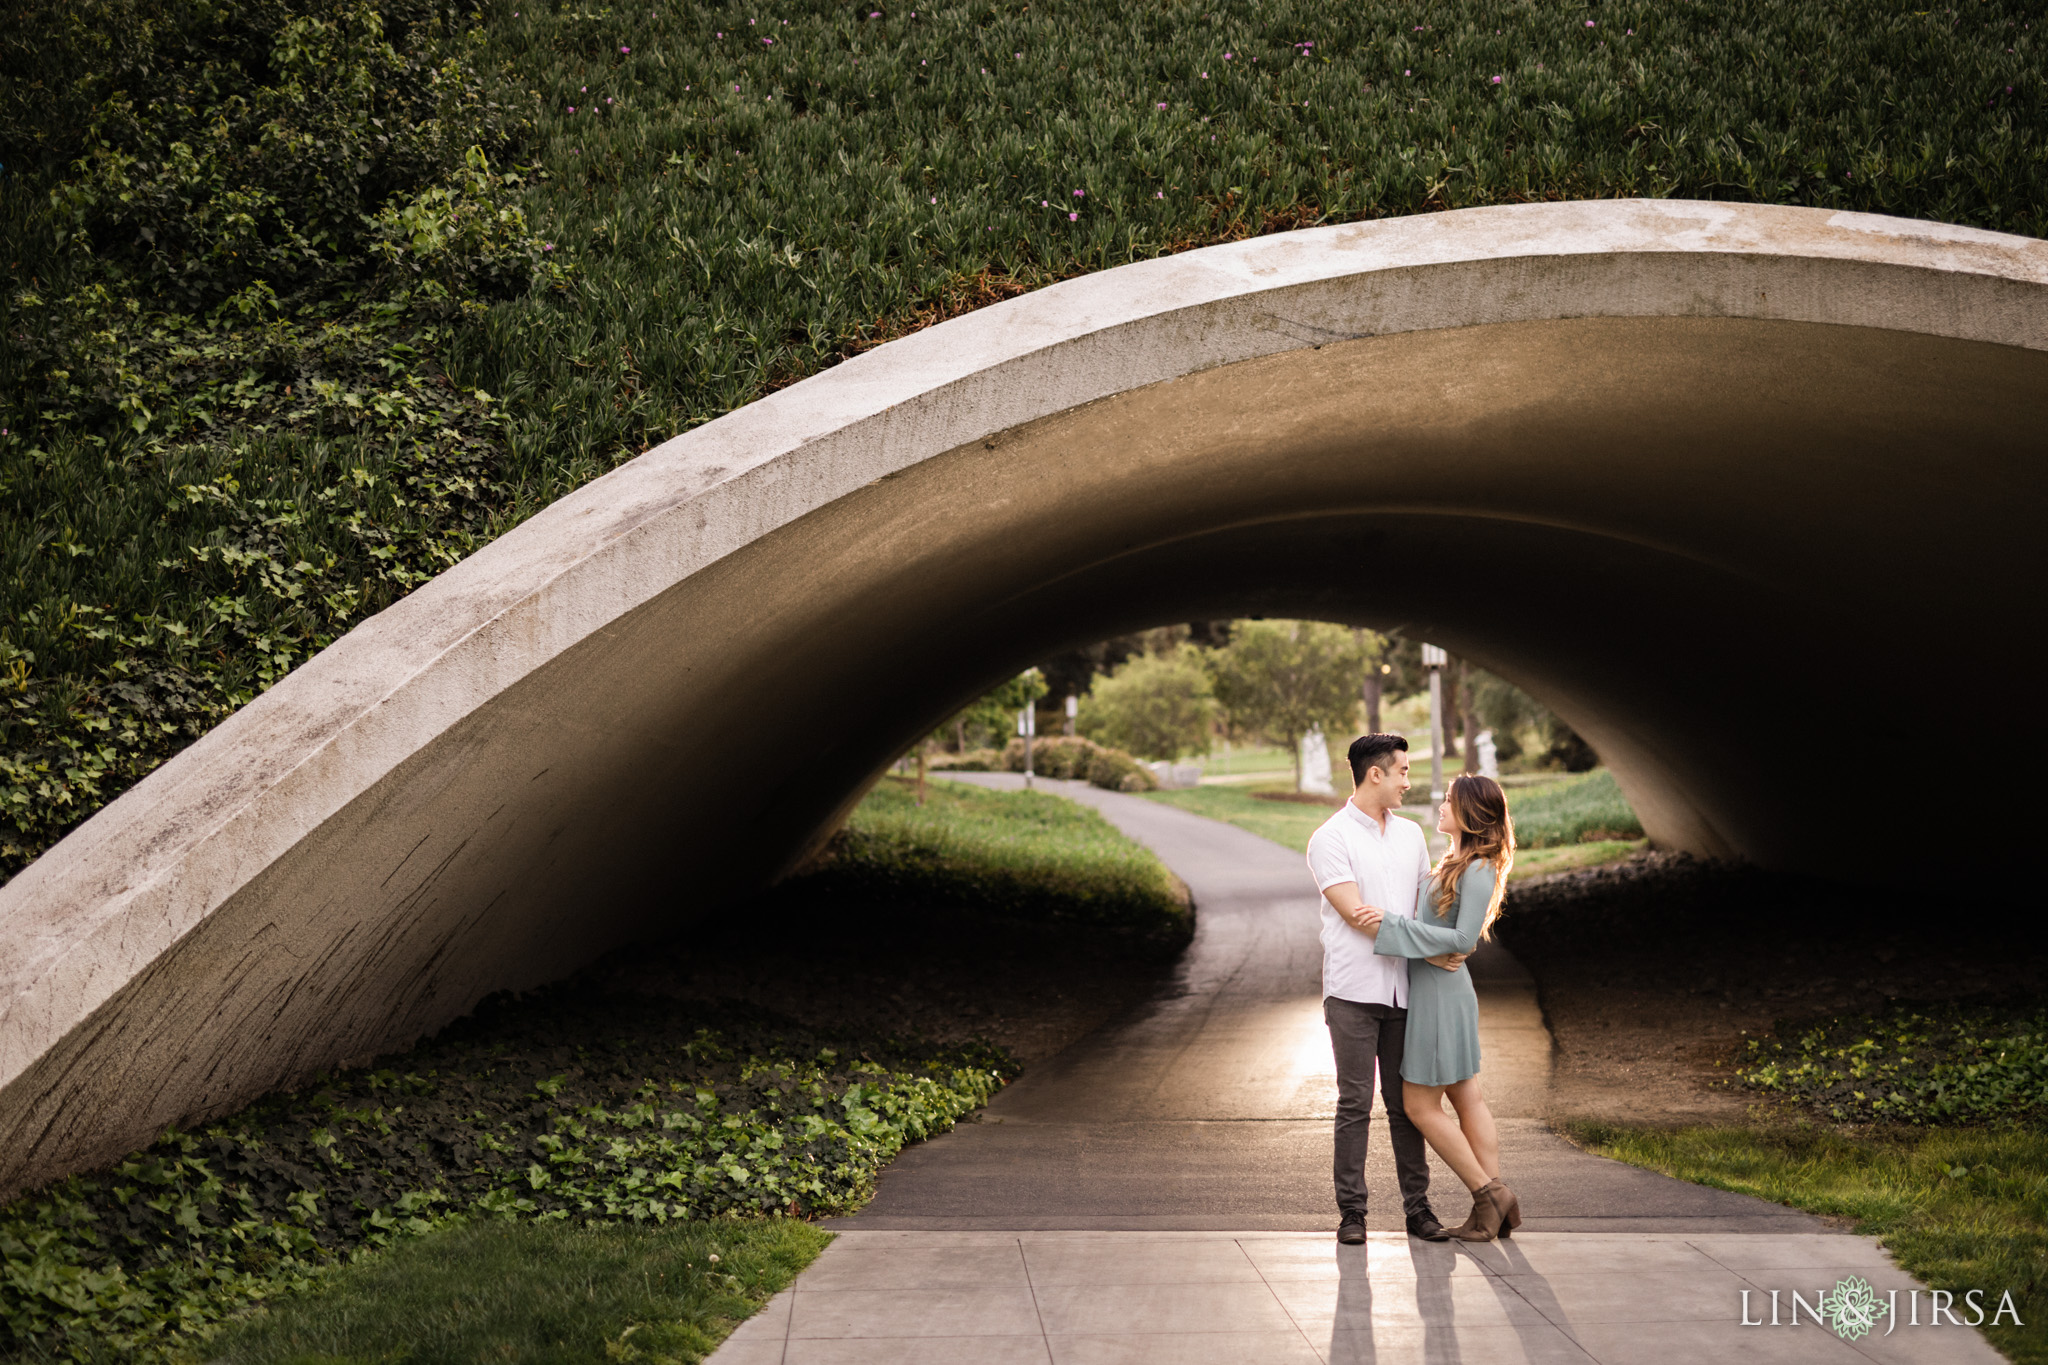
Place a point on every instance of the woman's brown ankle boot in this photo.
(1485, 1223)
(1509, 1206)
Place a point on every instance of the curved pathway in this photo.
(1161, 1192)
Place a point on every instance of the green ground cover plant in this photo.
(1013, 862)
(1912, 1064)
(570, 1106)
(1958, 1207)
(307, 298)
(547, 1293)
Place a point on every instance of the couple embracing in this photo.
(1395, 990)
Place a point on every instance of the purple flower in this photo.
(935, 199)
(1080, 194)
(767, 42)
(624, 49)
(1229, 56)
(1205, 75)
(1589, 23)
(607, 99)
(549, 247)
(572, 108)
(1042, 204)
(1496, 80)
(1073, 217)
(1407, 73)
(1159, 194)
(1162, 104)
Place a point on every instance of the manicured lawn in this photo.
(1960, 1208)
(1025, 858)
(1550, 819)
(535, 1293)
(1284, 822)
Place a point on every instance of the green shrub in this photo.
(1005, 861)
(563, 1106)
(1055, 756)
(1580, 810)
(1947, 1064)
(973, 761)
(1115, 770)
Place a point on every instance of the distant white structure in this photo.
(1489, 761)
(1315, 765)
(1174, 776)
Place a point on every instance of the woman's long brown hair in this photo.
(1486, 834)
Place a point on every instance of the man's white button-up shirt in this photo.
(1389, 865)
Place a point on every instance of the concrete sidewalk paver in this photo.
(1182, 1298)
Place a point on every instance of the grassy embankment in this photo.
(255, 389)
(1560, 824)
(553, 1176)
(1923, 1126)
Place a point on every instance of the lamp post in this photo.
(1434, 659)
(1073, 713)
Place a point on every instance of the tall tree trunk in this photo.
(1370, 690)
(960, 734)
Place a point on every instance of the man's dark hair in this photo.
(1374, 751)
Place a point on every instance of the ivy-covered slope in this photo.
(279, 344)
(568, 1105)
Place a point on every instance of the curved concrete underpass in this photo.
(1713, 481)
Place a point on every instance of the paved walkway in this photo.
(1161, 1192)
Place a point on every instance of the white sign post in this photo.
(1434, 659)
(1027, 726)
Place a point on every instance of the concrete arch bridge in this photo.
(1712, 481)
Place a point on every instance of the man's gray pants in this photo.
(1359, 1034)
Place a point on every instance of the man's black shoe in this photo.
(1351, 1232)
(1422, 1223)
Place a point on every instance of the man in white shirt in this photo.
(1366, 856)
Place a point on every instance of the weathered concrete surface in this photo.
(1637, 455)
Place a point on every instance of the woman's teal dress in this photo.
(1442, 1044)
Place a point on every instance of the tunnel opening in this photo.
(1633, 457)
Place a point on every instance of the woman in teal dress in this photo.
(1440, 1058)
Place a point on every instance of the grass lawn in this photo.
(1284, 822)
(1025, 858)
(1550, 819)
(536, 1293)
(1961, 1208)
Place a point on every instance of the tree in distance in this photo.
(1286, 678)
(1157, 706)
